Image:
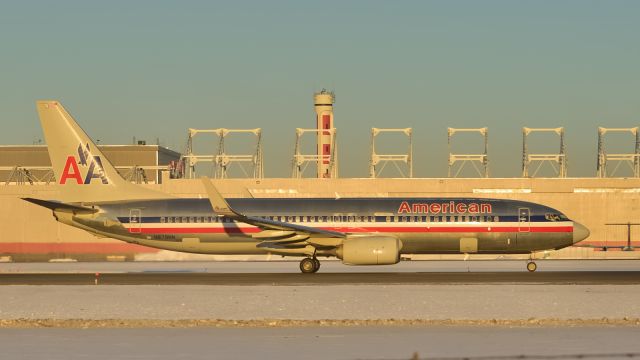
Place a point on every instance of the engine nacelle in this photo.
(370, 250)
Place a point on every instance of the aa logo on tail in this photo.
(85, 159)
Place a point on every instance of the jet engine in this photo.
(370, 250)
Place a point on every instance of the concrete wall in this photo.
(590, 201)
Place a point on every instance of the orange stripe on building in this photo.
(73, 248)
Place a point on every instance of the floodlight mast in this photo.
(557, 161)
(631, 159)
(221, 160)
(480, 162)
(375, 159)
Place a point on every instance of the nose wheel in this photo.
(309, 265)
(531, 266)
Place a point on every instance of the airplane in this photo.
(359, 231)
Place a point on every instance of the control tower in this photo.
(323, 101)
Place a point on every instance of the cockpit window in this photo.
(555, 217)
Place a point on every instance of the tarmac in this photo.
(374, 342)
(285, 273)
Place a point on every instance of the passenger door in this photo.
(135, 221)
(524, 220)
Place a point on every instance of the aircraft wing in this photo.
(276, 235)
(278, 225)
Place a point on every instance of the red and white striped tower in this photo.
(323, 101)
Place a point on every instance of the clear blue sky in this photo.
(154, 68)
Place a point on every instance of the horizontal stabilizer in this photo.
(56, 205)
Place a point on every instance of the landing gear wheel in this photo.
(308, 266)
(531, 266)
(317, 263)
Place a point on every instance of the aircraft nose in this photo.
(580, 232)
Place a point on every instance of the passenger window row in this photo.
(443, 218)
(346, 218)
(194, 219)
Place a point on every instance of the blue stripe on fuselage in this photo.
(152, 211)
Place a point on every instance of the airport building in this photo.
(608, 205)
(20, 164)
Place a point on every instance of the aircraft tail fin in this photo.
(82, 170)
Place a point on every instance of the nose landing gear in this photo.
(309, 265)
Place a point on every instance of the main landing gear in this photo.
(309, 265)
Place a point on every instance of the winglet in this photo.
(218, 203)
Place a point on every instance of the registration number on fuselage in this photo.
(163, 237)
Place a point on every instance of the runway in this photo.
(488, 292)
(285, 273)
(293, 279)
